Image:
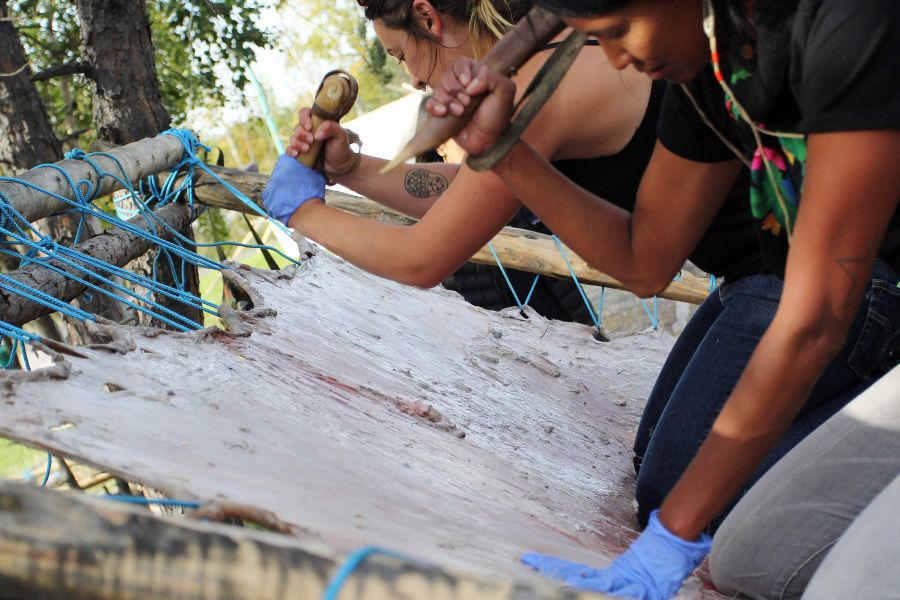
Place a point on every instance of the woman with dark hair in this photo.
(805, 92)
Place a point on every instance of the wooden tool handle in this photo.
(534, 30)
(333, 93)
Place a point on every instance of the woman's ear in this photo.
(428, 18)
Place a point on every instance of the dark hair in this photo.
(581, 8)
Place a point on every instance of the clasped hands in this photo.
(653, 568)
(459, 85)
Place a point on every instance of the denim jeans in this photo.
(709, 357)
(822, 524)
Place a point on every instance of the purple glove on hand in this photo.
(290, 185)
(653, 568)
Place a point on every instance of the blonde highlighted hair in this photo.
(491, 18)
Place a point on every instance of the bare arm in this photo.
(645, 249)
(410, 189)
(423, 254)
(851, 190)
(676, 202)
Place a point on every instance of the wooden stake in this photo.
(534, 30)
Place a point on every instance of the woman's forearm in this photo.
(833, 247)
(422, 254)
(410, 188)
(773, 388)
(643, 250)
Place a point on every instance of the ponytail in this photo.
(485, 17)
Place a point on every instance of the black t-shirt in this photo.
(728, 249)
(796, 67)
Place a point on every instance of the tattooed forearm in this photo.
(856, 270)
(422, 183)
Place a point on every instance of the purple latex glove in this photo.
(653, 568)
(290, 185)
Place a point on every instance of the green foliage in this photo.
(335, 33)
(50, 33)
(16, 459)
(190, 39)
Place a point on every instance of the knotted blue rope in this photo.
(97, 275)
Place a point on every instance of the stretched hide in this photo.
(365, 412)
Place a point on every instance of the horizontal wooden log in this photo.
(115, 246)
(139, 160)
(517, 248)
(70, 546)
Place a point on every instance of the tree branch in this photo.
(73, 135)
(65, 69)
(16, 72)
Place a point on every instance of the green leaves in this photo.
(190, 39)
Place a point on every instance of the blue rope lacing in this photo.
(99, 276)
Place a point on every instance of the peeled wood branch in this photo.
(139, 160)
(517, 248)
(115, 246)
(66, 546)
(70, 68)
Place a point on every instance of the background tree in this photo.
(27, 140)
(335, 34)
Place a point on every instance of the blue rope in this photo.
(155, 501)
(351, 563)
(47, 472)
(267, 113)
(654, 317)
(14, 226)
(509, 284)
(188, 140)
(584, 297)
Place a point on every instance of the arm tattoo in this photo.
(422, 183)
(851, 267)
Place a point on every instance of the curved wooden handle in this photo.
(534, 30)
(334, 92)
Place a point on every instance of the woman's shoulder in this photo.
(594, 111)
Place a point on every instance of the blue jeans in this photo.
(709, 357)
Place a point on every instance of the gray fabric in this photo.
(777, 536)
(864, 563)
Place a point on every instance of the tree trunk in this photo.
(26, 137)
(116, 42)
(127, 106)
(27, 140)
